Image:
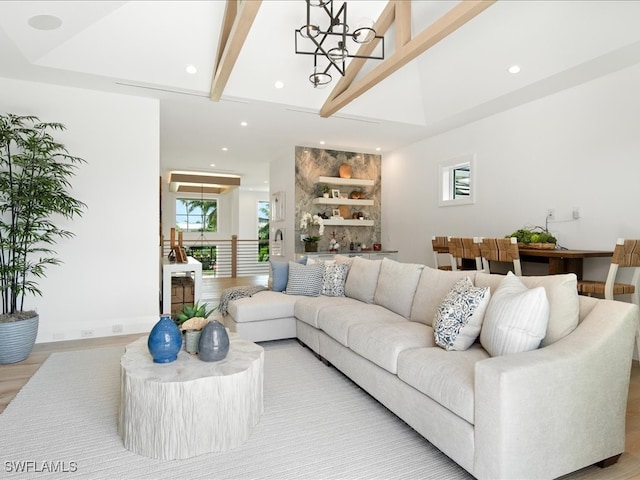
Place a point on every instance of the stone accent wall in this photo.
(311, 163)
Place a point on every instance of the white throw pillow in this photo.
(516, 318)
(458, 321)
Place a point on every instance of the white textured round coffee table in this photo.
(189, 407)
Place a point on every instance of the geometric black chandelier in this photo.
(329, 43)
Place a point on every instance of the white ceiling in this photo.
(142, 48)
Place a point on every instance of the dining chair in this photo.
(500, 250)
(625, 255)
(464, 249)
(440, 246)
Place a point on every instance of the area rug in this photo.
(317, 424)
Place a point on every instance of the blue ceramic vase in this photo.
(214, 342)
(164, 341)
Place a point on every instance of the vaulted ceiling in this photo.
(143, 47)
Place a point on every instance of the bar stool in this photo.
(501, 250)
(464, 249)
(440, 246)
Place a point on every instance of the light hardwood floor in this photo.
(14, 377)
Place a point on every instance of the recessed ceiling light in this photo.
(378, 149)
(191, 69)
(321, 142)
(44, 22)
(279, 84)
(212, 164)
(514, 69)
(244, 124)
(225, 149)
(266, 181)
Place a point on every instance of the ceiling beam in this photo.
(238, 18)
(459, 15)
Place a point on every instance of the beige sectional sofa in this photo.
(539, 413)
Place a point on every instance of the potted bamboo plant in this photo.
(34, 183)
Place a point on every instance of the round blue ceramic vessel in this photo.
(165, 340)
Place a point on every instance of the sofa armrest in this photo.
(547, 412)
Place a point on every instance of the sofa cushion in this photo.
(432, 287)
(362, 279)
(334, 278)
(396, 286)
(516, 318)
(307, 308)
(562, 293)
(305, 279)
(458, 320)
(280, 273)
(446, 377)
(265, 305)
(381, 343)
(337, 320)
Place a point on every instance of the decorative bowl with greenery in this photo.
(35, 172)
(536, 235)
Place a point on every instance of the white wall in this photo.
(248, 218)
(110, 272)
(282, 173)
(579, 147)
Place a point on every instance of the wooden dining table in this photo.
(561, 260)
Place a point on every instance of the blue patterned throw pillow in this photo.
(458, 321)
(335, 274)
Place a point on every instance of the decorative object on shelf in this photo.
(328, 43)
(326, 190)
(35, 174)
(335, 193)
(357, 195)
(334, 245)
(345, 212)
(345, 170)
(377, 247)
(310, 246)
(308, 223)
(164, 340)
(177, 253)
(536, 237)
(214, 342)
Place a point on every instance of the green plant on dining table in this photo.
(535, 235)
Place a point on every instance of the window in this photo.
(196, 215)
(457, 185)
(263, 231)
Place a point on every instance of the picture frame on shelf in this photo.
(344, 195)
(335, 193)
(335, 212)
